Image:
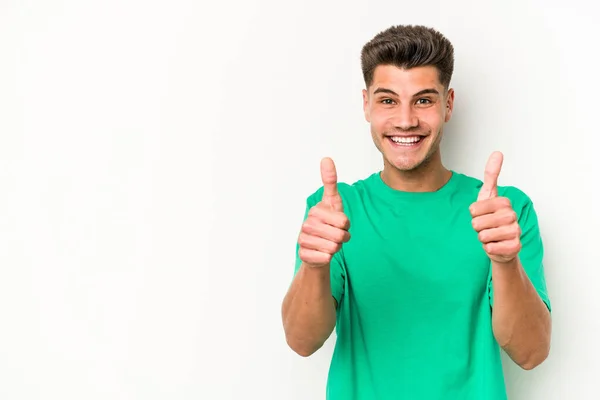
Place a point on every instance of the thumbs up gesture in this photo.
(326, 227)
(494, 219)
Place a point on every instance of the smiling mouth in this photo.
(406, 141)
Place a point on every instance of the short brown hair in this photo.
(408, 46)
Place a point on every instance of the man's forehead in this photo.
(407, 80)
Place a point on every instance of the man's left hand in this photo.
(494, 218)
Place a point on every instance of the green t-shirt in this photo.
(414, 293)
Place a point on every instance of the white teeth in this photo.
(405, 140)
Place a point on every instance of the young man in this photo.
(425, 273)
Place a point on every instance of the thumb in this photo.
(490, 176)
(329, 177)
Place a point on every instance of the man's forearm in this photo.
(521, 320)
(308, 310)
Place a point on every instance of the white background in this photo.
(155, 157)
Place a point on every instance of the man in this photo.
(425, 273)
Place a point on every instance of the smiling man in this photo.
(424, 272)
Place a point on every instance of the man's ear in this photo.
(366, 105)
(449, 105)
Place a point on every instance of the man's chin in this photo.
(406, 164)
(407, 167)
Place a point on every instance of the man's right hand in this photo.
(326, 227)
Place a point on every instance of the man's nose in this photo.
(405, 118)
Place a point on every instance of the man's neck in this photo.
(427, 178)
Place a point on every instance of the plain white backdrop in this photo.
(155, 157)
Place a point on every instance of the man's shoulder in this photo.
(349, 191)
(514, 193)
(519, 199)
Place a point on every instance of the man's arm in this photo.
(308, 310)
(520, 319)
(309, 307)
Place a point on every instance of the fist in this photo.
(326, 227)
(494, 219)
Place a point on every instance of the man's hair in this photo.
(408, 46)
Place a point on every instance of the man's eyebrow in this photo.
(420, 93)
(426, 91)
(384, 90)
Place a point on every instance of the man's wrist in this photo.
(316, 269)
(513, 264)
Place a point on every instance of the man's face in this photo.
(407, 110)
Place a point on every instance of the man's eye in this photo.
(423, 101)
(387, 101)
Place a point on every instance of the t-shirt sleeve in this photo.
(337, 264)
(532, 248)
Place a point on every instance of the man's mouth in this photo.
(406, 141)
